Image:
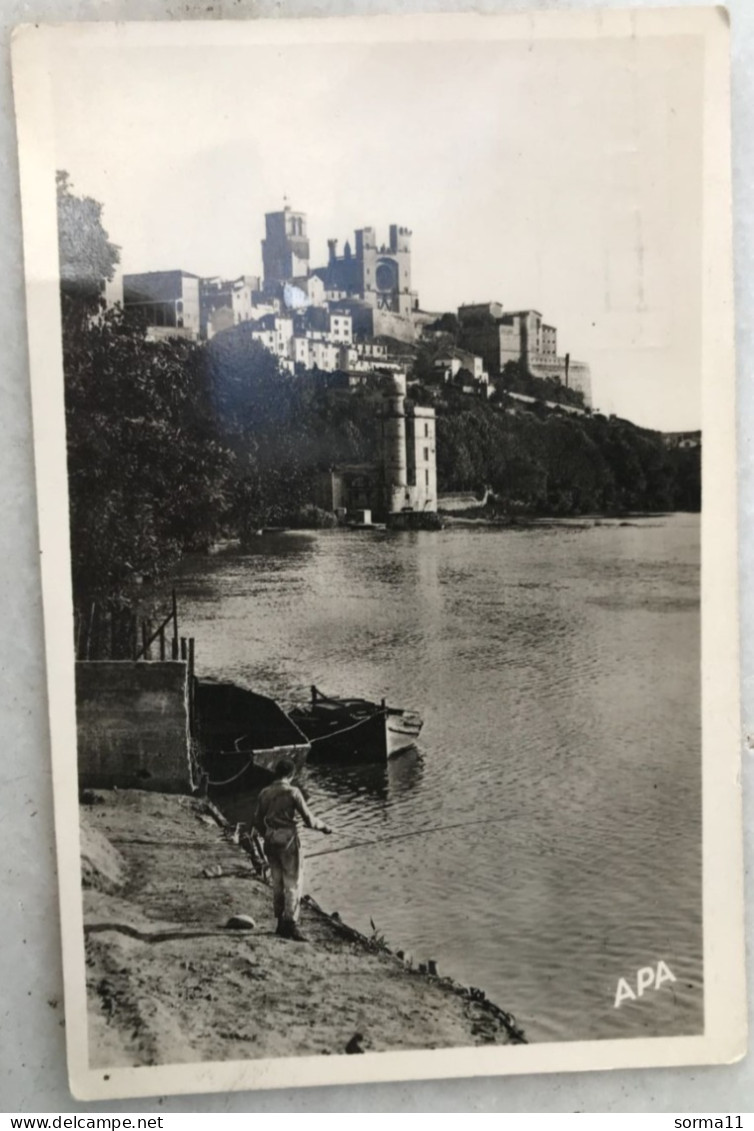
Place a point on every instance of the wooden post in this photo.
(191, 689)
(175, 625)
(184, 654)
(162, 642)
(144, 639)
(174, 648)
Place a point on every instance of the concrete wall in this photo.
(133, 726)
(580, 378)
(579, 375)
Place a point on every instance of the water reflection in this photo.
(335, 783)
(380, 783)
(282, 544)
(405, 772)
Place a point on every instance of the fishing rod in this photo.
(405, 836)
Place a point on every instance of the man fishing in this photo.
(278, 808)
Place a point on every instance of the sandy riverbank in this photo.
(168, 982)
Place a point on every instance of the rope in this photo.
(405, 836)
(336, 733)
(235, 776)
(386, 712)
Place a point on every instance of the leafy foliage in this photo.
(282, 428)
(447, 323)
(148, 477)
(559, 464)
(87, 258)
(515, 378)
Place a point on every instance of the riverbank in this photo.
(477, 518)
(168, 981)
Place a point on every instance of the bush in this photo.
(312, 518)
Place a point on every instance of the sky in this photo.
(563, 175)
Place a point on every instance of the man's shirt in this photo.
(278, 807)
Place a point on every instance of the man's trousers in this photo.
(283, 853)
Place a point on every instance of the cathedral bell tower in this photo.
(285, 248)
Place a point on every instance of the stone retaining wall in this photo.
(132, 721)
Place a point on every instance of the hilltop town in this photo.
(357, 316)
(356, 312)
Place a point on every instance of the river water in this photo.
(557, 672)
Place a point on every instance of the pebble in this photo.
(241, 923)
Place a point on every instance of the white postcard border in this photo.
(725, 1004)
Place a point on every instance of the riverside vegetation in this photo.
(175, 444)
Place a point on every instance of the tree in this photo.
(149, 476)
(463, 377)
(87, 258)
(448, 323)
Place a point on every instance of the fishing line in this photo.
(405, 836)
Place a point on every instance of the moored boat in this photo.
(242, 736)
(354, 730)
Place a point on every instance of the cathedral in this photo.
(370, 281)
(379, 275)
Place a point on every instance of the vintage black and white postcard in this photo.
(383, 388)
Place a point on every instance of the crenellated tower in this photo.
(385, 270)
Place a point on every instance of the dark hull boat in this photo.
(354, 730)
(242, 736)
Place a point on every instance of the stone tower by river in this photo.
(408, 454)
(400, 485)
